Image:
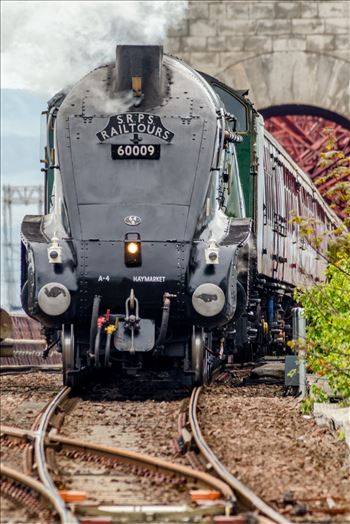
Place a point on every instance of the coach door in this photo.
(268, 207)
(278, 221)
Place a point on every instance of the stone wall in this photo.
(285, 52)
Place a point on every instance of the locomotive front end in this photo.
(130, 258)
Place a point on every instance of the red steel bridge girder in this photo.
(304, 138)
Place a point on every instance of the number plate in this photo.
(133, 152)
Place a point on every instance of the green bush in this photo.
(327, 304)
(327, 310)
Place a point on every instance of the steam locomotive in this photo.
(166, 238)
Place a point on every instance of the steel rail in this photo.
(126, 456)
(244, 494)
(28, 482)
(66, 516)
(148, 461)
(22, 342)
(13, 369)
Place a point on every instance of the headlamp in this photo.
(54, 299)
(132, 250)
(208, 300)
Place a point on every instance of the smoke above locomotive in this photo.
(85, 40)
(151, 247)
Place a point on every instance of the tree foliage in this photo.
(327, 304)
(327, 309)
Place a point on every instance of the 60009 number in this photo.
(132, 152)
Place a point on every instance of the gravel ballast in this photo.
(261, 437)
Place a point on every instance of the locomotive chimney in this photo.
(139, 68)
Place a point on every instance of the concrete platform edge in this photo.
(337, 418)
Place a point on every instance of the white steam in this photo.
(49, 45)
(104, 104)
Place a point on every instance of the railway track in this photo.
(296, 467)
(247, 500)
(46, 447)
(43, 437)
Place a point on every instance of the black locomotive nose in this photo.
(149, 268)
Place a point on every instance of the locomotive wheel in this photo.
(68, 354)
(199, 357)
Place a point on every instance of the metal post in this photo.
(8, 254)
(12, 196)
(299, 336)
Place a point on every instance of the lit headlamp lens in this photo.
(132, 250)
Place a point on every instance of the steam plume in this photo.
(49, 45)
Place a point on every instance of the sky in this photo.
(37, 63)
(20, 136)
(20, 160)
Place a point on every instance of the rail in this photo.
(246, 497)
(22, 342)
(223, 482)
(125, 456)
(40, 439)
(64, 513)
(28, 482)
